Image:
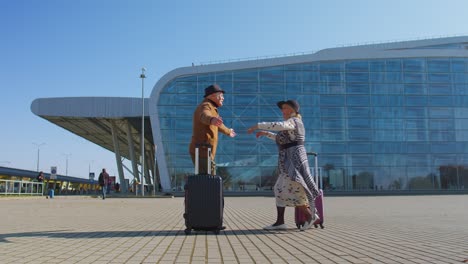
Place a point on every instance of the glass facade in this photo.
(380, 124)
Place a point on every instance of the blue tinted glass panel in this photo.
(388, 135)
(357, 66)
(415, 112)
(441, 124)
(358, 100)
(332, 112)
(223, 77)
(414, 77)
(439, 77)
(461, 123)
(416, 135)
(361, 135)
(186, 87)
(334, 148)
(414, 65)
(311, 88)
(293, 67)
(245, 100)
(332, 123)
(377, 77)
(245, 87)
(416, 147)
(377, 66)
(437, 135)
(332, 135)
(331, 77)
(415, 124)
(310, 67)
(293, 88)
(307, 100)
(355, 123)
(389, 147)
(393, 77)
(393, 65)
(440, 101)
(272, 75)
(270, 100)
(417, 160)
(443, 147)
(435, 65)
(210, 77)
(361, 160)
(186, 99)
(332, 88)
(167, 111)
(310, 76)
(331, 67)
(360, 77)
(415, 100)
(335, 160)
(358, 112)
(357, 88)
(166, 99)
(359, 147)
(311, 123)
(438, 112)
(272, 88)
(442, 89)
(396, 100)
(387, 124)
(458, 65)
(415, 89)
(250, 75)
(461, 101)
(460, 78)
(184, 111)
(293, 76)
(332, 100)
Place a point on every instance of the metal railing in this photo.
(13, 187)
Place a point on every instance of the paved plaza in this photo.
(384, 229)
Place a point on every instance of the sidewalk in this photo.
(387, 229)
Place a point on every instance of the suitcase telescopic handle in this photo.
(197, 157)
(316, 172)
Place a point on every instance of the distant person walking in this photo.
(40, 178)
(103, 179)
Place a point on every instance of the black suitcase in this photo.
(203, 201)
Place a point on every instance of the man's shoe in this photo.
(276, 227)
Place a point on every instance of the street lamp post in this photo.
(66, 165)
(38, 153)
(142, 76)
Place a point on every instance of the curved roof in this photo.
(92, 117)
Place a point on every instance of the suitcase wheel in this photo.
(188, 231)
(321, 226)
(315, 226)
(216, 232)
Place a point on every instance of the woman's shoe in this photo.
(276, 227)
(310, 223)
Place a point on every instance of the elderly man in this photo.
(206, 124)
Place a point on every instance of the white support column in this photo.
(131, 150)
(115, 140)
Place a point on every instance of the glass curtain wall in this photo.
(384, 124)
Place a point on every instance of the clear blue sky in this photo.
(67, 48)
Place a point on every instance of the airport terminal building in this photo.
(383, 117)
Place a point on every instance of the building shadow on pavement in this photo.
(4, 238)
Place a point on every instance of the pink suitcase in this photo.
(299, 216)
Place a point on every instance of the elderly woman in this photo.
(295, 186)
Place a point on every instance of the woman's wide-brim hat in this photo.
(214, 88)
(293, 103)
